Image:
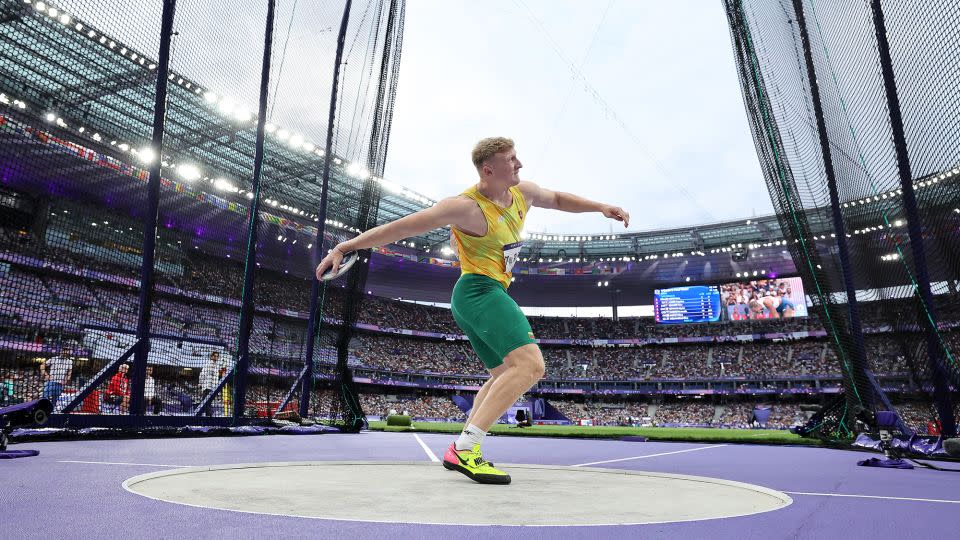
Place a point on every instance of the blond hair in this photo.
(486, 148)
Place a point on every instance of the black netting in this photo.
(868, 204)
(102, 318)
(74, 182)
(364, 101)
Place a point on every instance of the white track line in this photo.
(948, 501)
(650, 455)
(121, 463)
(430, 454)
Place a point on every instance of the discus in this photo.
(349, 259)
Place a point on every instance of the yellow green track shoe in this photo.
(471, 463)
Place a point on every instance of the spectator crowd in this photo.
(197, 296)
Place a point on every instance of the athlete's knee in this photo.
(528, 360)
(540, 367)
(497, 371)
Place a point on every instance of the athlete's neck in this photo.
(498, 194)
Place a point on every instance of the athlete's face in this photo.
(503, 167)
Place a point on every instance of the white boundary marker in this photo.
(430, 454)
(130, 482)
(948, 501)
(122, 463)
(649, 455)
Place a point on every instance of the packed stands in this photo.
(198, 303)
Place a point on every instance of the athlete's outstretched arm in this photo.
(445, 212)
(568, 202)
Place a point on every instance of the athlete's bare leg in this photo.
(482, 394)
(524, 367)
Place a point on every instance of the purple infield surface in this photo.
(73, 489)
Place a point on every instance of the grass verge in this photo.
(713, 435)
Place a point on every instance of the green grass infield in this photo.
(762, 436)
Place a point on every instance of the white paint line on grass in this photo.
(650, 455)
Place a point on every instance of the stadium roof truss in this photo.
(94, 90)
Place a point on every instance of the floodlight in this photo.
(223, 185)
(188, 172)
(226, 106)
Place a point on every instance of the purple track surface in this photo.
(55, 495)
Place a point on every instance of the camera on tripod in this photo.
(887, 424)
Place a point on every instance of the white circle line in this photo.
(882, 497)
(783, 497)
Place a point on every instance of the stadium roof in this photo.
(99, 92)
(89, 88)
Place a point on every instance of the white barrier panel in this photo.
(110, 345)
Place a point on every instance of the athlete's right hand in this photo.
(617, 213)
(332, 260)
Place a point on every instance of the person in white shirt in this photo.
(150, 392)
(56, 371)
(209, 377)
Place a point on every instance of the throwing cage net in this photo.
(170, 174)
(853, 111)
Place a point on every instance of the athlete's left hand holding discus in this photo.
(332, 260)
(617, 213)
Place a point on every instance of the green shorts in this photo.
(490, 318)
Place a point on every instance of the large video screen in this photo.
(691, 304)
(770, 298)
(767, 298)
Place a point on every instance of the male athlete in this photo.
(486, 221)
(772, 307)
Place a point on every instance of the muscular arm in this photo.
(446, 212)
(568, 202)
(557, 200)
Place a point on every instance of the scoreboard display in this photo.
(697, 303)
